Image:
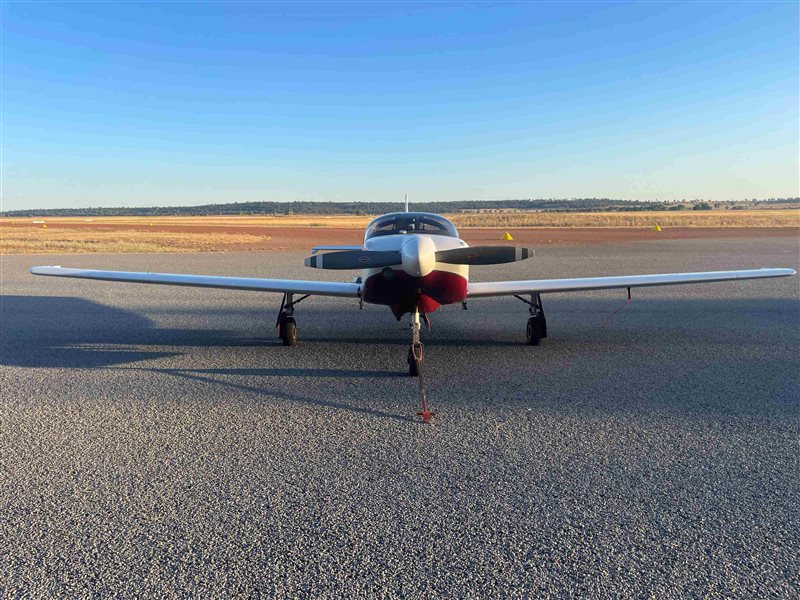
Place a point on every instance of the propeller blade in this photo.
(483, 255)
(354, 259)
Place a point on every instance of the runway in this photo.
(155, 439)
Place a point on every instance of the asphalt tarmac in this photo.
(158, 440)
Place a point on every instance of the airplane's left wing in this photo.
(541, 286)
(292, 286)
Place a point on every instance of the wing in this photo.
(508, 288)
(316, 249)
(317, 288)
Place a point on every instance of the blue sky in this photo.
(109, 104)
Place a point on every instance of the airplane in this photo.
(414, 262)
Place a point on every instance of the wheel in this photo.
(535, 331)
(288, 331)
(413, 365)
(412, 369)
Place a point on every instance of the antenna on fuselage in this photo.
(406, 202)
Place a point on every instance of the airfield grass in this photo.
(691, 218)
(39, 240)
(65, 235)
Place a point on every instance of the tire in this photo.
(533, 333)
(413, 369)
(288, 332)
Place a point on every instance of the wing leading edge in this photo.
(317, 288)
(508, 288)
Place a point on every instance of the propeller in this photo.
(366, 259)
(483, 255)
(354, 259)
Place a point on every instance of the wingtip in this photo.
(781, 271)
(42, 270)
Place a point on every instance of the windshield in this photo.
(399, 223)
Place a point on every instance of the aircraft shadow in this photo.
(75, 333)
(70, 332)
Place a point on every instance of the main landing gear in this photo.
(537, 324)
(287, 326)
(415, 358)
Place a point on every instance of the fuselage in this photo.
(418, 280)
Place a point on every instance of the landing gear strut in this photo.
(416, 356)
(416, 351)
(537, 324)
(287, 326)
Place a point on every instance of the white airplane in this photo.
(413, 262)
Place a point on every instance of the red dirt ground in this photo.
(303, 238)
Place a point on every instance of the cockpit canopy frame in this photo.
(410, 223)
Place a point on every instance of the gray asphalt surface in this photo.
(156, 440)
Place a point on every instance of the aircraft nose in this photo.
(418, 255)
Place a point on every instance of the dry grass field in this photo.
(54, 240)
(65, 235)
(690, 218)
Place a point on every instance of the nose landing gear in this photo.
(416, 351)
(415, 358)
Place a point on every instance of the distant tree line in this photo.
(372, 208)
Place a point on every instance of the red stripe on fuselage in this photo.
(402, 292)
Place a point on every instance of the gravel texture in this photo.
(158, 440)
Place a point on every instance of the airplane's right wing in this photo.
(292, 286)
(541, 286)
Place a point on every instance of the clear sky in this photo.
(109, 104)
